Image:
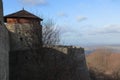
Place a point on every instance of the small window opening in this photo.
(21, 39)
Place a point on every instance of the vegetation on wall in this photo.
(50, 33)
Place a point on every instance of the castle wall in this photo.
(4, 53)
(24, 36)
(20, 60)
(4, 47)
(48, 63)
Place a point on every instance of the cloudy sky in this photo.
(82, 22)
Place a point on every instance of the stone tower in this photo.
(25, 30)
(1, 10)
(4, 47)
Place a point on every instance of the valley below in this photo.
(103, 63)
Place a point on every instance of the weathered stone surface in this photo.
(48, 64)
(4, 50)
(24, 36)
(4, 47)
(1, 11)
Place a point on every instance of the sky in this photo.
(81, 22)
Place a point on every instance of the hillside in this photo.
(104, 63)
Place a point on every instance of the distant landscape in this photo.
(103, 63)
(90, 49)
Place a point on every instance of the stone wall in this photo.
(4, 47)
(1, 11)
(48, 63)
(4, 51)
(24, 36)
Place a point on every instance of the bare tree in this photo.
(50, 33)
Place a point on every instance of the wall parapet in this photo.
(65, 49)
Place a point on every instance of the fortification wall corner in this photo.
(4, 53)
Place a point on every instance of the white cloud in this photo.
(80, 18)
(69, 35)
(107, 29)
(33, 2)
(62, 14)
(66, 29)
(107, 34)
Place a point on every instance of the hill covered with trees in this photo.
(104, 64)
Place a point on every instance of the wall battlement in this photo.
(65, 49)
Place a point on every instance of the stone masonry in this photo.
(49, 63)
(39, 63)
(4, 47)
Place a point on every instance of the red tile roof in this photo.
(22, 14)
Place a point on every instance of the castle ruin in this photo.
(18, 62)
